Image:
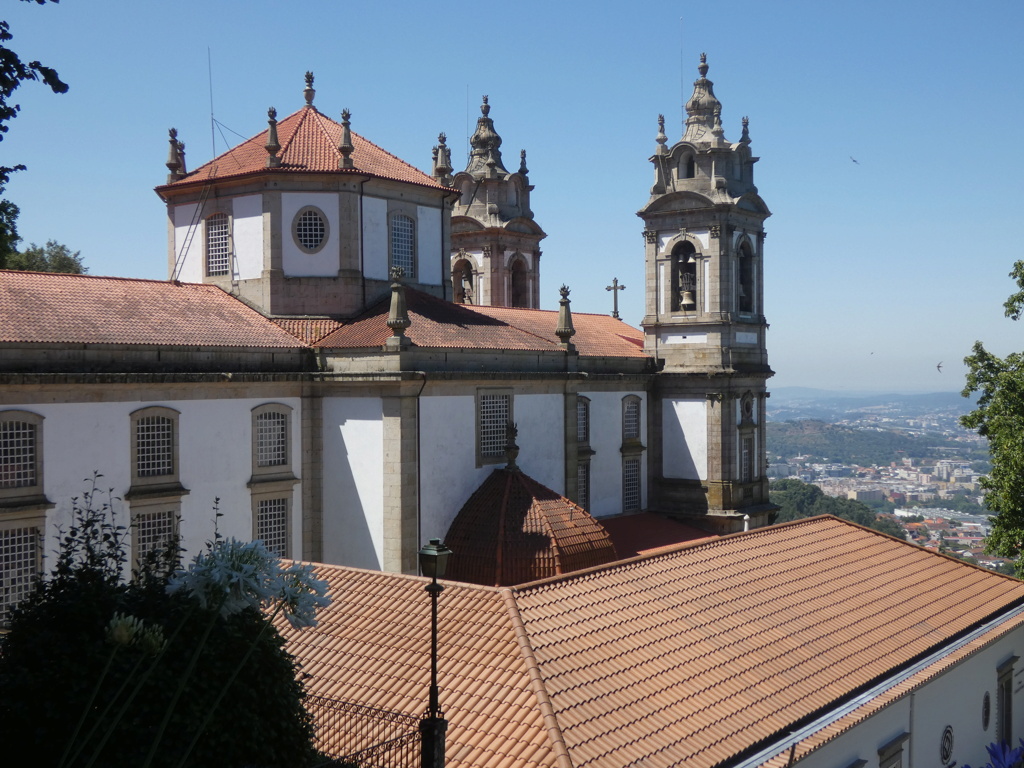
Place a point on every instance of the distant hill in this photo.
(789, 403)
(846, 445)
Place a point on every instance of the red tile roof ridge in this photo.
(56, 275)
(547, 710)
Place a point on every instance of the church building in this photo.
(346, 348)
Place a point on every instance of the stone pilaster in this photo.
(401, 485)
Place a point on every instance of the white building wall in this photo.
(296, 262)
(448, 471)
(247, 231)
(428, 245)
(214, 455)
(953, 699)
(606, 441)
(684, 435)
(375, 238)
(353, 481)
(190, 260)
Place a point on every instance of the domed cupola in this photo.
(703, 110)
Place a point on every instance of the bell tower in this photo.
(495, 257)
(704, 322)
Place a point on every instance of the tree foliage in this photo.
(797, 500)
(99, 669)
(52, 257)
(999, 417)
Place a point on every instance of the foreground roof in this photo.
(309, 143)
(513, 530)
(48, 308)
(442, 324)
(694, 656)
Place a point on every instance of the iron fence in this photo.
(354, 735)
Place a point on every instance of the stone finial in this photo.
(522, 163)
(443, 160)
(661, 138)
(173, 157)
(511, 449)
(345, 148)
(485, 108)
(703, 66)
(398, 314)
(308, 92)
(565, 330)
(273, 146)
(745, 138)
(181, 158)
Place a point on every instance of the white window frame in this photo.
(21, 493)
(217, 253)
(260, 509)
(408, 260)
(489, 413)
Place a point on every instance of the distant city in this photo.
(904, 455)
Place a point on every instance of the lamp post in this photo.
(433, 561)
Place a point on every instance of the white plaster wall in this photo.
(428, 245)
(247, 231)
(606, 440)
(954, 698)
(448, 471)
(353, 481)
(215, 461)
(296, 262)
(375, 238)
(684, 435)
(190, 265)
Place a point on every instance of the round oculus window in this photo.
(310, 229)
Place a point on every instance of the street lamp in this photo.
(433, 561)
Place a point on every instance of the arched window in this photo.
(462, 282)
(684, 278)
(687, 167)
(746, 279)
(218, 245)
(403, 244)
(519, 290)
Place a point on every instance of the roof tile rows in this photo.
(309, 143)
(690, 656)
(442, 324)
(51, 308)
(513, 530)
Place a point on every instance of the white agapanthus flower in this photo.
(235, 574)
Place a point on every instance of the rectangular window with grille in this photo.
(495, 411)
(17, 454)
(153, 531)
(746, 459)
(631, 418)
(154, 440)
(272, 525)
(403, 244)
(631, 484)
(19, 567)
(582, 420)
(271, 439)
(218, 248)
(583, 484)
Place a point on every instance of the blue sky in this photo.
(875, 271)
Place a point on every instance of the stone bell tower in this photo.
(704, 323)
(496, 253)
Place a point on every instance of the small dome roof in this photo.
(514, 530)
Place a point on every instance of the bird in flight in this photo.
(854, 159)
(939, 367)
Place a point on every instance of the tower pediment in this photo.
(678, 201)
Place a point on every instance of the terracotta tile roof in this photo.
(372, 646)
(695, 656)
(439, 323)
(646, 532)
(513, 530)
(308, 330)
(691, 657)
(309, 143)
(51, 308)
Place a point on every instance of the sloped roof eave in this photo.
(188, 184)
